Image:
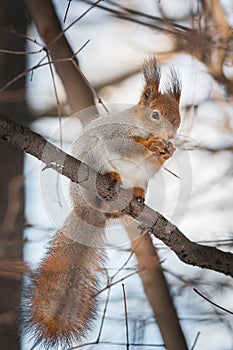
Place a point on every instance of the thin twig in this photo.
(17, 33)
(103, 316)
(108, 286)
(67, 10)
(99, 100)
(56, 97)
(23, 74)
(211, 302)
(74, 22)
(126, 317)
(155, 22)
(149, 345)
(13, 52)
(60, 125)
(195, 340)
(127, 260)
(40, 65)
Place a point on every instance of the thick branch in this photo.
(187, 251)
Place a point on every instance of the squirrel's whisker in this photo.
(171, 172)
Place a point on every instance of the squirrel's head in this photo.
(160, 111)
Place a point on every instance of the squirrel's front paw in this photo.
(161, 148)
(156, 145)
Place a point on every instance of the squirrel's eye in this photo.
(155, 115)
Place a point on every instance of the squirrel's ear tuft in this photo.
(173, 87)
(151, 72)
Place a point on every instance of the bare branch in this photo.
(189, 252)
(195, 341)
(67, 10)
(211, 302)
(126, 317)
(155, 22)
(210, 43)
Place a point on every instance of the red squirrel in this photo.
(130, 146)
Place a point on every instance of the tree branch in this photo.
(151, 221)
(209, 44)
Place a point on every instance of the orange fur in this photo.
(62, 299)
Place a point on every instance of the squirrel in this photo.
(129, 147)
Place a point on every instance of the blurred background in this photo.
(194, 36)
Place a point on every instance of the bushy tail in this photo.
(59, 302)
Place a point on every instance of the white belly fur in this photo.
(133, 172)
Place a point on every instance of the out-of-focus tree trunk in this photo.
(156, 289)
(12, 104)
